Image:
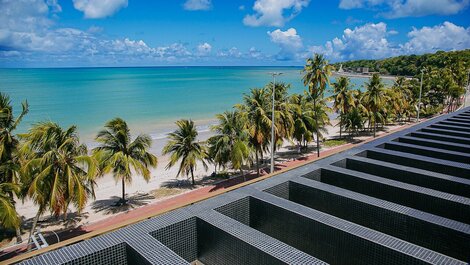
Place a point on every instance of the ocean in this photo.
(149, 99)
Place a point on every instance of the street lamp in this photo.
(274, 74)
(420, 92)
(467, 89)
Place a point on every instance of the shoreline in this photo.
(108, 190)
(366, 76)
(85, 222)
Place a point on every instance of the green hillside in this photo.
(410, 65)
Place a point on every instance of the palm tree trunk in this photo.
(35, 222)
(257, 163)
(317, 129)
(243, 174)
(123, 199)
(192, 176)
(375, 125)
(340, 124)
(18, 234)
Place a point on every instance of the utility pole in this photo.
(274, 74)
(467, 89)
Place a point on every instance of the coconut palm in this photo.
(231, 142)
(343, 99)
(58, 172)
(303, 118)
(353, 121)
(8, 216)
(9, 160)
(374, 100)
(120, 155)
(316, 77)
(323, 119)
(183, 146)
(283, 120)
(254, 109)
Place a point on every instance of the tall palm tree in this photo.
(303, 118)
(283, 120)
(374, 99)
(183, 145)
(353, 121)
(255, 110)
(9, 159)
(121, 156)
(231, 142)
(58, 171)
(316, 77)
(343, 99)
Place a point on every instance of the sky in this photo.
(94, 33)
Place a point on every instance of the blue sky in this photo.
(58, 33)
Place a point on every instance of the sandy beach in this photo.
(139, 192)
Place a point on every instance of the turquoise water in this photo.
(149, 99)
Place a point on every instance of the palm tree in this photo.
(183, 145)
(353, 121)
(9, 159)
(317, 72)
(231, 142)
(58, 172)
(254, 109)
(120, 155)
(343, 99)
(8, 216)
(374, 99)
(303, 118)
(282, 112)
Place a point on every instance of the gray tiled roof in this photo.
(401, 199)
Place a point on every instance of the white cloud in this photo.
(367, 41)
(95, 29)
(370, 42)
(446, 36)
(274, 12)
(194, 5)
(289, 42)
(204, 49)
(99, 8)
(409, 8)
(231, 53)
(255, 53)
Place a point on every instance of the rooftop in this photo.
(400, 199)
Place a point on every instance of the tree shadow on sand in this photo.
(109, 206)
(72, 220)
(187, 185)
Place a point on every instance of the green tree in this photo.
(58, 171)
(8, 216)
(343, 99)
(121, 156)
(183, 145)
(316, 77)
(9, 159)
(303, 118)
(231, 142)
(254, 110)
(374, 100)
(353, 121)
(283, 120)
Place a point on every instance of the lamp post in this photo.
(274, 74)
(467, 89)
(420, 92)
